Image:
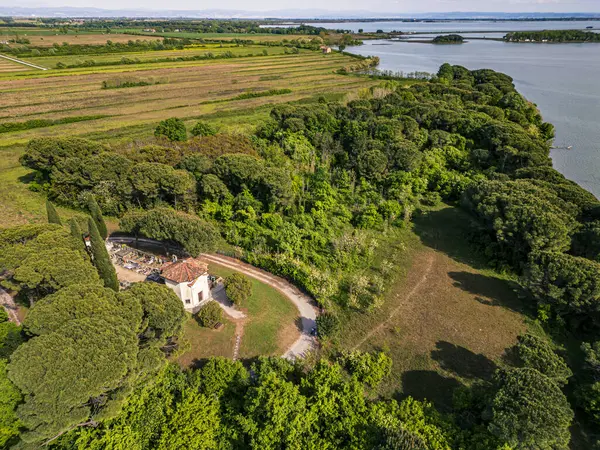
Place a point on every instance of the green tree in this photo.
(87, 361)
(520, 218)
(96, 214)
(53, 216)
(80, 301)
(238, 288)
(75, 230)
(173, 129)
(193, 424)
(163, 312)
(538, 354)
(328, 325)
(10, 338)
(210, 315)
(530, 411)
(566, 286)
(367, 367)
(164, 224)
(101, 258)
(49, 270)
(203, 129)
(10, 397)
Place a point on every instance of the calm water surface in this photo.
(464, 26)
(562, 79)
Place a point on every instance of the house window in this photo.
(187, 301)
(200, 296)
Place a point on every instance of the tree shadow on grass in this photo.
(429, 385)
(27, 178)
(489, 290)
(463, 362)
(447, 230)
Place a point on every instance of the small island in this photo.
(448, 39)
(554, 36)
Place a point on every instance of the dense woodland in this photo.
(308, 196)
(553, 36)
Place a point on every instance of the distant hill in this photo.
(275, 14)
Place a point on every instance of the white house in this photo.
(188, 278)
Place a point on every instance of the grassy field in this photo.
(269, 329)
(446, 320)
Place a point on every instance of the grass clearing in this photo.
(204, 343)
(271, 326)
(446, 320)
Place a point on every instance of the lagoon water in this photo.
(562, 79)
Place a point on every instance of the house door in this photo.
(200, 296)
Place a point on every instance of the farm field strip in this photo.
(148, 56)
(47, 38)
(7, 66)
(181, 100)
(150, 67)
(42, 103)
(15, 97)
(172, 75)
(22, 63)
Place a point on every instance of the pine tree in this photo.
(101, 258)
(96, 214)
(53, 216)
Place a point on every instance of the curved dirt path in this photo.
(303, 303)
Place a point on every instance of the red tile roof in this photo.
(184, 270)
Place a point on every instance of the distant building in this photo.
(325, 49)
(188, 278)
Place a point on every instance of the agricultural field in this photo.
(47, 37)
(190, 90)
(152, 56)
(8, 66)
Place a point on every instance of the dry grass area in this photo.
(447, 320)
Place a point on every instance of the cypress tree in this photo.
(75, 229)
(53, 216)
(96, 214)
(101, 258)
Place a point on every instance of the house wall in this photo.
(186, 292)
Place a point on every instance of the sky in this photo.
(375, 6)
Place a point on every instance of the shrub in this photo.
(238, 288)
(203, 129)
(173, 129)
(210, 315)
(368, 368)
(328, 325)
